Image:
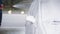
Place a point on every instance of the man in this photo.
(0, 11)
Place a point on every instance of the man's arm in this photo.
(1, 6)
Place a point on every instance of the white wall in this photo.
(13, 20)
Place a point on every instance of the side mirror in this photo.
(30, 19)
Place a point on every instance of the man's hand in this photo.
(1, 6)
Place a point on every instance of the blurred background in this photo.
(16, 6)
(18, 17)
(31, 17)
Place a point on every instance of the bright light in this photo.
(9, 12)
(22, 12)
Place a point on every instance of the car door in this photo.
(51, 16)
